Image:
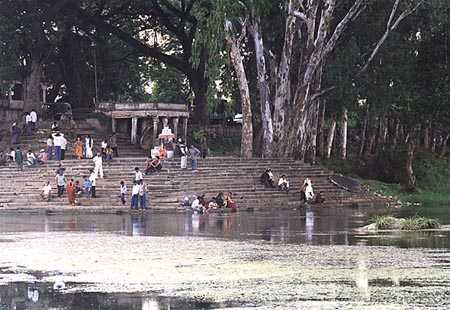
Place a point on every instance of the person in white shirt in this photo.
(135, 195)
(138, 176)
(31, 159)
(307, 192)
(88, 146)
(46, 192)
(103, 145)
(34, 118)
(28, 123)
(63, 146)
(98, 165)
(283, 183)
(93, 179)
(123, 192)
(196, 206)
(57, 142)
(12, 155)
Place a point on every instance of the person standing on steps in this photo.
(18, 157)
(184, 152)
(78, 148)
(60, 182)
(195, 154)
(98, 165)
(15, 133)
(34, 119)
(63, 147)
(103, 146)
(135, 196)
(113, 144)
(57, 142)
(93, 179)
(28, 123)
(70, 188)
(49, 147)
(138, 175)
(123, 192)
(88, 146)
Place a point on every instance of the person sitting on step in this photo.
(46, 191)
(230, 202)
(220, 200)
(267, 179)
(283, 183)
(87, 186)
(31, 159)
(78, 189)
(153, 165)
(162, 152)
(319, 198)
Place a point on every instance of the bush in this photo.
(417, 223)
(384, 221)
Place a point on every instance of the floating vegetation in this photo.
(387, 222)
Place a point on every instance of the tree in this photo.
(173, 25)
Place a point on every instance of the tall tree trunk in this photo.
(200, 89)
(364, 130)
(321, 129)
(32, 89)
(330, 139)
(396, 134)
(238, 65)
(282, 98)
(313, 133)
(263, 88)
(444, 145)
(371, 140)
(410, 177)
(344, 129)
(426, 136)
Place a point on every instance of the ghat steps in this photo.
(21, 189)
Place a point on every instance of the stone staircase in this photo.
(21, 189)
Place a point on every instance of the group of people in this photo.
(21, 159)
(84, 147)
(185, 153)
(29, 126)
(201, 205)
(74, 188)
(306, 192)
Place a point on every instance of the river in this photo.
(309, 258)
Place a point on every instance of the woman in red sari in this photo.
(70, 188)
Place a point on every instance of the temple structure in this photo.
(139, 118)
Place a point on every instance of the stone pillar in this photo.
(165, 122)
(134, 122)
(155, 129)
(113, 125)
(175, 126)
(144, 125)
(185, 129)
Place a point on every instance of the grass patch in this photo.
(412, 223)
(383, 221)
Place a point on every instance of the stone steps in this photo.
(171, 184)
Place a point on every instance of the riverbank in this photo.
(432, 174)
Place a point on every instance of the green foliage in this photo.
(419, 223)
(413, 223)
(383, 221)
(198, 135)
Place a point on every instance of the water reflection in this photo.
(41, 296)
(313, 226)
